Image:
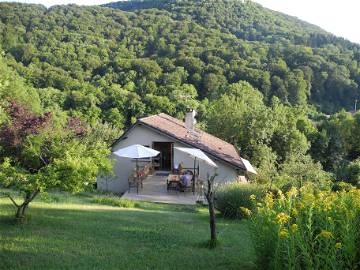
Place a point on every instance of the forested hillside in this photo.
(258, 78)
(291, 50)
(244, 19)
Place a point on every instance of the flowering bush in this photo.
(308, 229)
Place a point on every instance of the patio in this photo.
(155, 190)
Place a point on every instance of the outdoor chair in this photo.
(135, 182)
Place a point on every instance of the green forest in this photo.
(281, 90)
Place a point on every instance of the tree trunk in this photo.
(21, 209)
(209, 194)
(212, 221)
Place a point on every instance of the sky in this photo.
(338, 17)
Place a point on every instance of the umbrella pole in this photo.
(193, 187)
(137, 176)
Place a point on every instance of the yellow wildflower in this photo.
(252, 197)
(338, 245)
(269, 200)
(300, 205)
(325, 234)
(245, 211)
(282, 218)
(283, 233)
(292, 192)
(280, 195)
(294, 227)
(294, 212)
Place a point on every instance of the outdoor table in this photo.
(172, 182)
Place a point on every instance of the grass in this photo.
(73, 232)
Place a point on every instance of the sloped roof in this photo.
(197, 138)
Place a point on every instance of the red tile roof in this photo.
(197, 138)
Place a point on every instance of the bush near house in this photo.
(114, 201)
(308, 229)
(233, 199)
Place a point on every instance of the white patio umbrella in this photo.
(197, 154)
(136, 152)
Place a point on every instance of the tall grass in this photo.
(308, 229)
(233, 199)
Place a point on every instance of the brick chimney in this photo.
(190, 120)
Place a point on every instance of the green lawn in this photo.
(71, 232)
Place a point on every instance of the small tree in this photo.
(209, 194)
(38, 153)
(299, 168)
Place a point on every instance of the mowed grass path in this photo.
(73, 233)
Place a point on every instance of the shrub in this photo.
(307, 229)
(342, 186)
(352, 172)
(233, 200)
(49, 198)
(114, 201)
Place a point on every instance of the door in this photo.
(166, 155)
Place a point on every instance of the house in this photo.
(163, 132)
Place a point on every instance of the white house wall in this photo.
(139, 134)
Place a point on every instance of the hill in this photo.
(245, 19)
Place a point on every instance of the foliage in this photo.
(352, 172)
(290, 59)
(233, 199)
(301, 60)
(13, 86)
(336, 140)
(299, 169)
(307, 229)
(273, 138)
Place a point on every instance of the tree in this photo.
(227, 116)
(39, 153)
(300, 168)
(352, 172)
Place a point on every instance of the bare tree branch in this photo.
(43, 160)
(11, 198)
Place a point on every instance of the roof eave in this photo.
(190, 144)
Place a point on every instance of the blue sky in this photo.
(339, 17)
